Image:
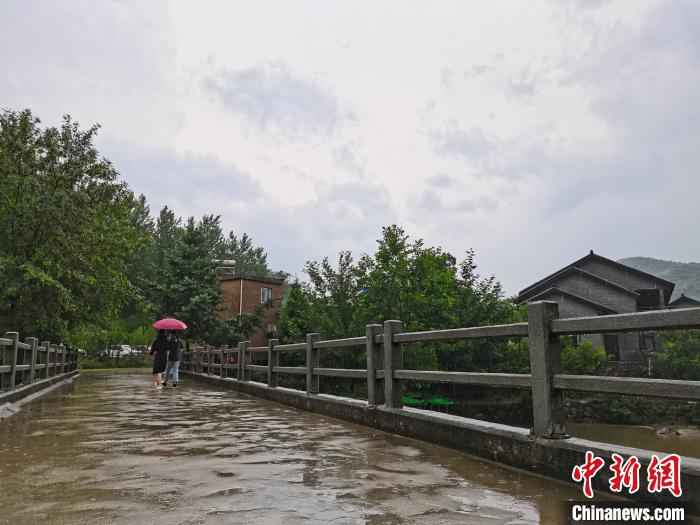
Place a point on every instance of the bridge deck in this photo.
(110, 449)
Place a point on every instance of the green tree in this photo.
(66, 226)
(421, 286)
(191, 289)
(333, 297)
(185, 282)
(405, 280)
(295, 317)
(245, 257)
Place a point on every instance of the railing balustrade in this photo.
(25, 363)
(385, 364)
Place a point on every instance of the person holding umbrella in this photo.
(172, 370)
(159, 351)
(162, 346)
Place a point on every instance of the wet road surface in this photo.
(112, 450)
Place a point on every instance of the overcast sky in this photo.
(531, 131)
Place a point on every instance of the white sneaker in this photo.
(159, 387)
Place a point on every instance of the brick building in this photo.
(243, 293)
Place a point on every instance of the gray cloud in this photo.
(478, 70)
(634, 193)
(480, 204)
(523, 85)
(343, 216)
(113, 64)
(591, 4)
(349, 159)
(191, 184)
(469, 143)
(630, 191)
(441, 181)
(430, 200)
(275, 99)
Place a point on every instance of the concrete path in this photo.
(112, 450)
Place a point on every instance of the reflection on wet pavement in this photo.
(110, 449)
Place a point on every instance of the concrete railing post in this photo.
(273, 361)
(242, 350)
(312, 361)
(222, 355)
(209, 360)
(62, 360)
(33, 341)
(13, 356)
(393, 360)
(545, 361)
(374, 392)
(45, 345)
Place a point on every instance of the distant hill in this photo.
(686, 276)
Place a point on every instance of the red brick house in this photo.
(243, 293)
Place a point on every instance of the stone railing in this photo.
(384, 373)
(30, 362)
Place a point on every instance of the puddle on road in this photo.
(115, 451)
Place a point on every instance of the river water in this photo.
(680, 440)
(110, 449)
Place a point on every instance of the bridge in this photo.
(232, 446)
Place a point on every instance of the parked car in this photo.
(126, 350)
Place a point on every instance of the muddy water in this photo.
(111, 450)
(681, 440)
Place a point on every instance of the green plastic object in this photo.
(412, 401)
(440, 401)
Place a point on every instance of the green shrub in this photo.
(583, 359)
(681, 356)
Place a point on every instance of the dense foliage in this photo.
(422, 286)
(66, 228)
(83, 261)
(681, 358)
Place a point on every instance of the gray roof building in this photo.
(596, 285)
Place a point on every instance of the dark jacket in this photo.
(159, 346)
(159, 349)
(175, 350)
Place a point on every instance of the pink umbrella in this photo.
(169, 324)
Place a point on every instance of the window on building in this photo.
(649, 299)
(612, 346)
(265, 295)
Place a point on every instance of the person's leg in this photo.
(176, 372)
(167, 373)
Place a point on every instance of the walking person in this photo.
(172, 369)
(159, 351)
